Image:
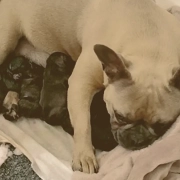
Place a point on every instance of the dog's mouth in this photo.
(134, 136)
(138, 135)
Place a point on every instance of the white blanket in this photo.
(48, 148)
(50, 151)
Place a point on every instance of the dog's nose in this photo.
(135, 138)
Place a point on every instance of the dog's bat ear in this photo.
(113, 65)
(175, 80)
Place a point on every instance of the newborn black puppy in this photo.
(12, 73)
(54, 92)
(102, 137)
(29, 97)
(54, 102)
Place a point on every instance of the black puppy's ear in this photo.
(175, 80)
(113, 65)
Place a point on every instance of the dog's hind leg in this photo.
(9, 29)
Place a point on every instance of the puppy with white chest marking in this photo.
(141, 67)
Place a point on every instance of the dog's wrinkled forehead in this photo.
(136, 103)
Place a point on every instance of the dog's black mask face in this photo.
(130, 97)
(139, 135)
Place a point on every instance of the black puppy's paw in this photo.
(12, 114)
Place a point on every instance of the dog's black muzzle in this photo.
(134, 137)
(138, 135)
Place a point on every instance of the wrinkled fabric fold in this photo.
(48, 148)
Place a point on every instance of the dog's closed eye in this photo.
(121, 119)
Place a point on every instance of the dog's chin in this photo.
(134, 137)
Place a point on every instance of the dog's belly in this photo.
(62, 25)
(51, 26)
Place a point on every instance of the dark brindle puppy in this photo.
(14, 79)
(54, 102)
(54, 92)
(29, 97)
(12, 73)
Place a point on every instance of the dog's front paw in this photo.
(85, 161)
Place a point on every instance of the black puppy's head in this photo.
(18, 67)
(59, 63)
(58, 69)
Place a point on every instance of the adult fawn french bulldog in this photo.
(130, 47)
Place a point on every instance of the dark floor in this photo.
(17, 168)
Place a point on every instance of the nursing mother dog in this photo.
(129, 47)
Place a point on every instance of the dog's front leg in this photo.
(85, 81)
